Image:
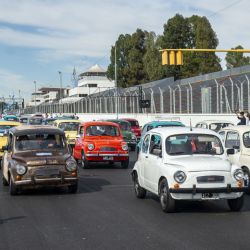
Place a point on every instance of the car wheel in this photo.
(125, 163)
(12, 188)
(84, 162)
(73, 188)
(166, 200)
(140, 192)
(247, 179)
(236, 204)
(4, 181)
(133, 148)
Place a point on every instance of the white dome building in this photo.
(94, 80)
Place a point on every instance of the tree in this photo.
(236, 59)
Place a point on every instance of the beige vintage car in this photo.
(37, 156)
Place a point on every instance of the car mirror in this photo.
(4, 148)
(157, 152)
(231, 151)
(236, 147)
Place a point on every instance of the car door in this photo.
(143, 156)
(233, 141)
(153, 163)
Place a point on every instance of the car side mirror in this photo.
(236, 147)
(4, 148)
(231, 151)
(157, 152)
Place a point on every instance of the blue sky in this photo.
(38, 38)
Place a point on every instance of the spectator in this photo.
(247, 115)
(242, 118)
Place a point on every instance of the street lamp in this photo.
(35, 95)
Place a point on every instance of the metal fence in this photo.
(219, 92)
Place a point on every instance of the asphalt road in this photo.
(105, 214)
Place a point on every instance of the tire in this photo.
(125, 164)
(133, 148)
(166, 200)
(13, 188)
(73, 188)
(140, 192)
(236, 204)
(246, 179)
(84, 162)
(4, 181)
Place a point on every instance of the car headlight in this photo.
(180, 176)
(124, 147)
(20, 169)
(238, 174)
(91, 146)
(71, 165)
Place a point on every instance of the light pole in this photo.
(116, 86)
(60, 91)
(35, 95)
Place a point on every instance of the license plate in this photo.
(47, 172)
(108, 158)
(209, 196)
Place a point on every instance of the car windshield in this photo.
(5, 128)
(134, 123)
(218, 125)
(125, 126)
(169, 125)
(246, 139)
(35, 121)
(10, 118)
(187, 144)
(23, 120)
(39, 141)
(69, 126)
(102, 130)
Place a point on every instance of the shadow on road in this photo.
(2, 221)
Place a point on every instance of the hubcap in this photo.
(163, 196)
(246, 179)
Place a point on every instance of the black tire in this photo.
(246, 179)
(4, 181)
(73, 188)
(84, 162)
(125, 164)
(133, 148)
(166, 200)
(236, 204)
(13, 188)
(140, 192)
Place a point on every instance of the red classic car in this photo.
(100, 141)
(134, 127)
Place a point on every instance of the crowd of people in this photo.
(244, 118)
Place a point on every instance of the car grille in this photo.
(107, 149)
(210, 179)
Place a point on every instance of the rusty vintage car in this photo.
(37, 156)
(100, 141)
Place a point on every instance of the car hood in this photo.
(201, 163)
(35, 158)
(246, 151)
(3, 141)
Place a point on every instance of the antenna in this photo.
(191, 128)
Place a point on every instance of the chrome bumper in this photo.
(101, 154)
(58, 180)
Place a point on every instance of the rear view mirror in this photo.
(231, 151)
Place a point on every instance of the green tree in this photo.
(236, 59)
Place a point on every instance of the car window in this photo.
(149, 127)
(68, 126)
(102, 130)
(10, 142)
(144, 130)
(155, 144)
(232, 140)
(81, 130)
(145, 144)
(198, 125)
(222, 134)
(203, 125)
(246, 139)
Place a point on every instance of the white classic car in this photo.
(238, 138)
(214, 125)
(187, 164)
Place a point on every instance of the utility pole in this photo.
(35, 95)
(60, 92)
(116, 85)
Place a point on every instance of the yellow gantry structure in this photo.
(175, 56)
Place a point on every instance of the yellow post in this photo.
(172, 57)
(164, 56)
(179, 58)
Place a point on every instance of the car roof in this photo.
(129, 119)
(93, 123)
(117, 120)
(215, 121)
(239, 128)
(32, 129)
(156, 123)
(67, 120)
(168, 131)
